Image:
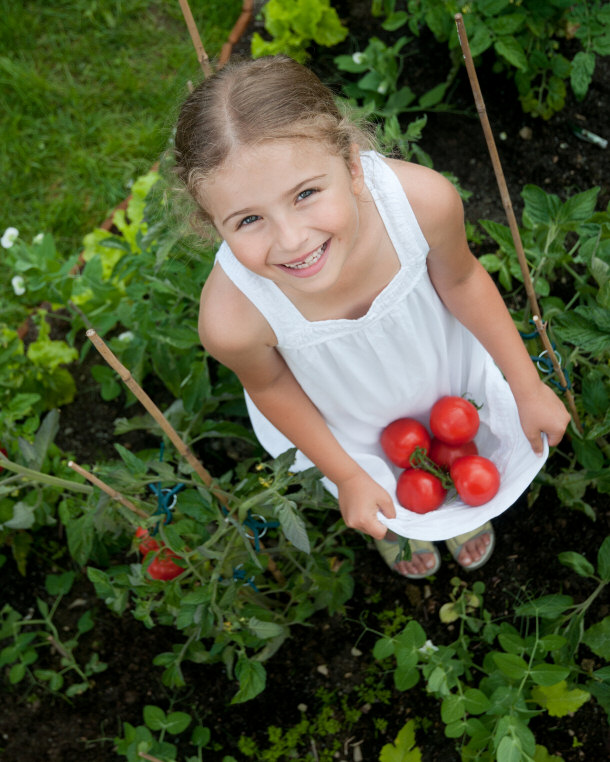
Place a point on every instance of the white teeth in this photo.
(310, 260)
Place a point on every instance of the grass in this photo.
(88, 94)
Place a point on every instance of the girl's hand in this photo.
(360, 497)
(541, 410)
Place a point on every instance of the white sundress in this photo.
(395, 361)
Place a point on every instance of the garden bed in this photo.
(329, 661)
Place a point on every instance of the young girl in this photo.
(344, 296)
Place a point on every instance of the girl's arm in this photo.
(470, 294)
(243, 341)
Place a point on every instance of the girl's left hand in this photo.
(541, 410)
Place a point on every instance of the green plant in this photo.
(294, 24)
(235, 601)
(525, 38)
(27, 635)
(495, 677)
(567, 246)
(140, 740)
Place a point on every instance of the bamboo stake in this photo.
(202, 56)
(510, 213)
(237, 31)
(128, 379)
(107, 489)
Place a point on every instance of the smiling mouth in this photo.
(310, 260)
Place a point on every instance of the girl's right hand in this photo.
(360, 498)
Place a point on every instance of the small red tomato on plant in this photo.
(162, 567)
(5, 453)
(454, 420)
(444, 455)
(420, 491)
(401, 438)
(146, 544)
(476, 479)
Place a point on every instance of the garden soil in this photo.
(329, 661)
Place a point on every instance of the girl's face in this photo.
(288, 209)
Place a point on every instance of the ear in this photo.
(355, 169)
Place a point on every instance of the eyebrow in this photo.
(289, 192)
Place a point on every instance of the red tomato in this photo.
(476, 479)
(162, 567)
(400, 438)
(444, 455)
(147, 544)
(420, 491)
(5, 453)
(454, 420)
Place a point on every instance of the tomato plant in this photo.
(454, 420)
(401, 438)
(163, 567)
(476, 479)
(420, 491)
(444, 455)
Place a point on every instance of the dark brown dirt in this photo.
(36, 727)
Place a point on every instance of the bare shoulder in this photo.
(230, 326)
(433, 198)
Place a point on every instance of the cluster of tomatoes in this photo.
(162, 565)
(448, 458)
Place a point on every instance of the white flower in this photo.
(428, 648)
(358, 58)
(18, 284)
(38, 238)
(126, 336)
(383, 88)
(9, 237)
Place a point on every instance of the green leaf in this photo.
(511, 665)
(383, 648)
(603, 560)
(154, 717)
(548, 674)
(558, 700)
(24, 517)
(583, 66)
(546, 607)
(403, 749)
(265, 630)
(177, 722)
(577, 563)
(252, 678)
(293, 525)
(133, 463)
(476, 701)
(512, 50)
(59, 584)
(597, 637)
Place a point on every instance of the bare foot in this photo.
(473, 550)
(420, 563)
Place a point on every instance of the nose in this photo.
(290, 235)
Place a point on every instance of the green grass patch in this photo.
(88, 94)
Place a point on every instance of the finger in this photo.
(388, 508)
(536, 443)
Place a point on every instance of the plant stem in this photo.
(38, 476)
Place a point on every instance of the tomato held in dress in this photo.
(401, 438)
(476, 479)
(444, 455)
(454, 420)
(420, 491)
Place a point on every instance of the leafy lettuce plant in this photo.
(294, 24)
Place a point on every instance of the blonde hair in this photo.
(250, 102)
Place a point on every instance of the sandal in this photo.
(455, 545)
(390, 550)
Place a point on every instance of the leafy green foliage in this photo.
(294, 25)
(526, 41)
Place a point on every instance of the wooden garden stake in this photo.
(510, 214)
(128, 379)
(202, 56)
(237, 31)
(107, 489)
